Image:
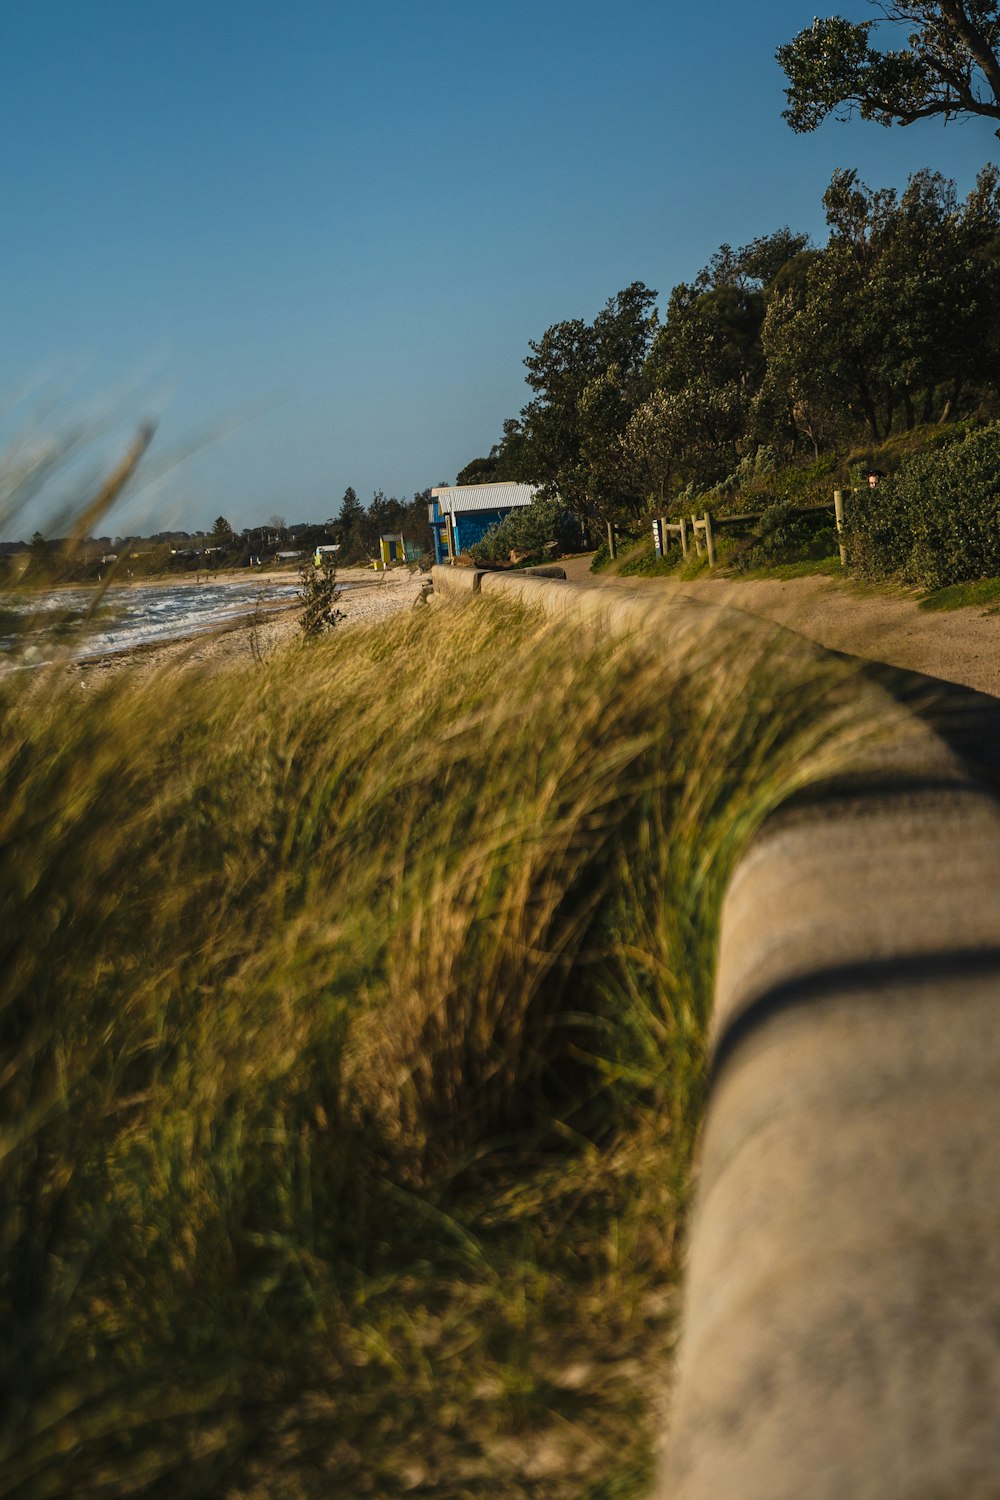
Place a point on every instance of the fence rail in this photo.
(701, 529)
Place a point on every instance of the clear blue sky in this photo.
(315, 237)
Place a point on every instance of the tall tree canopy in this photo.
(587, 379)
(351, 509)
(480, 470)
(775, 350)
(948, 66)
(895, 318)
(709, 352)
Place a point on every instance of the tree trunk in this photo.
(867, 403)
(950, 402)
(928, 407)
(890, 412)
(911, 417)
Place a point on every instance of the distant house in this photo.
(461, 514)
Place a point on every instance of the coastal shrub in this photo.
(760, 463)
(936, 521)
(319, 593)
(628, 542)
(352, 1051)
(601, 558)
(785, 536)
(637, 558)
(529, 529)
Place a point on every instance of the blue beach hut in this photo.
(460, 514)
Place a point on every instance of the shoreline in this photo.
(254, 635)
(283, 576)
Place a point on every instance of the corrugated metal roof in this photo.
(457, 498)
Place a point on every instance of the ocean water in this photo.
(129, 615)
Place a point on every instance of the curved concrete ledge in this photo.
(841, 1328)
(842, 1307)
(448, 581)
(615, 609)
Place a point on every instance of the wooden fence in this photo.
(699, 531)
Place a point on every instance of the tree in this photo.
(587, 379)
(948, 67)
(351, 510)
(480, 470)
(384, 514)
(709, 351)
(895, 318)
(350, 523)
(752, 267)
(654, 444)
(415, 524)
(221, 531)
(708, 359)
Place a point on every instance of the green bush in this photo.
(755, 486)
(784, 537)
(319, 594)
(639, 559)
(529, 529)
(601, 558)
(628, 546)
(937, 521)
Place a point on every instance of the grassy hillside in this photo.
(930, 521)
(353, 1017)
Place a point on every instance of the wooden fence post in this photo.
(838, 510)
(684, 537)
(612, 547)
(697, 538)
(709, 539)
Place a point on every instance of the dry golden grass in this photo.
(352, 1013)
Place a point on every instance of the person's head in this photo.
(874, 475)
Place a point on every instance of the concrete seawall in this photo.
(841, 1329)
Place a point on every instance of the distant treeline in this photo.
(777, 352)
(356, 529)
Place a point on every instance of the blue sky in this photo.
(314, 238)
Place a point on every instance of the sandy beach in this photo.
(371, 596)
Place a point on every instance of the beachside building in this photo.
(394, 548)
(460, 514)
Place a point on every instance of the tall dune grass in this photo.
(353, 1017)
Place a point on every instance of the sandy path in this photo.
(961, 646)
